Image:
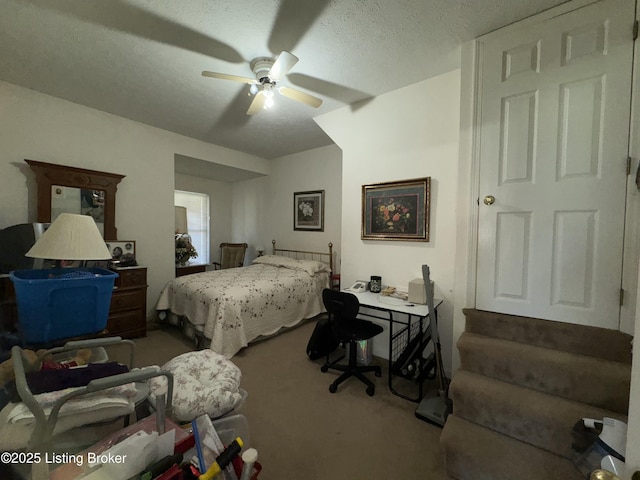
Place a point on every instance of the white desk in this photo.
(380, 302)
(408, 337)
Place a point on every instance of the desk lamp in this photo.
(71, 237)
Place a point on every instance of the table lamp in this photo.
(64, 302)
(71, 237)
(184, 246)
(181, 220)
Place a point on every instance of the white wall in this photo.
(263, 207)
(40, 127)
(219, 207)
(408, 133)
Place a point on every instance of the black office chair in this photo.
(343, 308)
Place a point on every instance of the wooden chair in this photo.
(231, 255)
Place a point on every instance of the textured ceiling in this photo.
(142, 59)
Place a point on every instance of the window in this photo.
(197, 205)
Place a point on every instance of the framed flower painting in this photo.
(396, 210)
(308, 211)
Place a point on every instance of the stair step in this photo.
(592, 341)
(596, 382)
(475, 453)
(539, 419)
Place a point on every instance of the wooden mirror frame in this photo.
(49, 174)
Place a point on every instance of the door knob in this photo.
(489, 200)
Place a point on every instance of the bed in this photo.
(225, 310)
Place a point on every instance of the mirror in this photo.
(83, 201)
(77, 190)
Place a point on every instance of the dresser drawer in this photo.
(134, 277)
(120, 323)
(127, 299)
(128, 309)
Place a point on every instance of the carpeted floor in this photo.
(302, 431)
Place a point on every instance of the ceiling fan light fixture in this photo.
(268, 95)
(268, 72)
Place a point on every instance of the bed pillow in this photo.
(204, 383)
(310, 266)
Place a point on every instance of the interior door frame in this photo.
(469, 174)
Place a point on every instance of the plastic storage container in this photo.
(214, 437)
(228, 428)
(62, 302)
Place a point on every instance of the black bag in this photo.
(321, 342)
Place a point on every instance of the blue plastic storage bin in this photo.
(60, 303)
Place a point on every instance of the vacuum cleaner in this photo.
(434, 409)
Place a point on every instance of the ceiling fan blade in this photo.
(225, 76)
(257, 104)
(293, 20)
(139, 21)
(299, 96)
(282, 65)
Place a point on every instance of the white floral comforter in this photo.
(235, 306)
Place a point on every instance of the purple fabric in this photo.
(52, 380)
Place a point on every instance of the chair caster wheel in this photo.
(333, 388)
(371, 391)
(324, 369)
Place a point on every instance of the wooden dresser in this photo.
(128, 311)
(8, 307)
(189, 269)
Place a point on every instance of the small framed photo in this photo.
(308, 211)
(396, 210)
(98, 264)
(123, 251)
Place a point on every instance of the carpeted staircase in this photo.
(522, 385)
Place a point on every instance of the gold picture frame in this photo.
(396, 210)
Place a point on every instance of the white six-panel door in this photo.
(554, 101)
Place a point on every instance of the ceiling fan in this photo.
(268, 72)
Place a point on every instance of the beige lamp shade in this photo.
(71, 237)
(181, 220)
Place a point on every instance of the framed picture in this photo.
(396, 210)
(98, 263)
(308, 211)
(123, 251)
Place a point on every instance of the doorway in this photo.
(552, 142)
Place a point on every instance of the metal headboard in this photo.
(305, 255)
